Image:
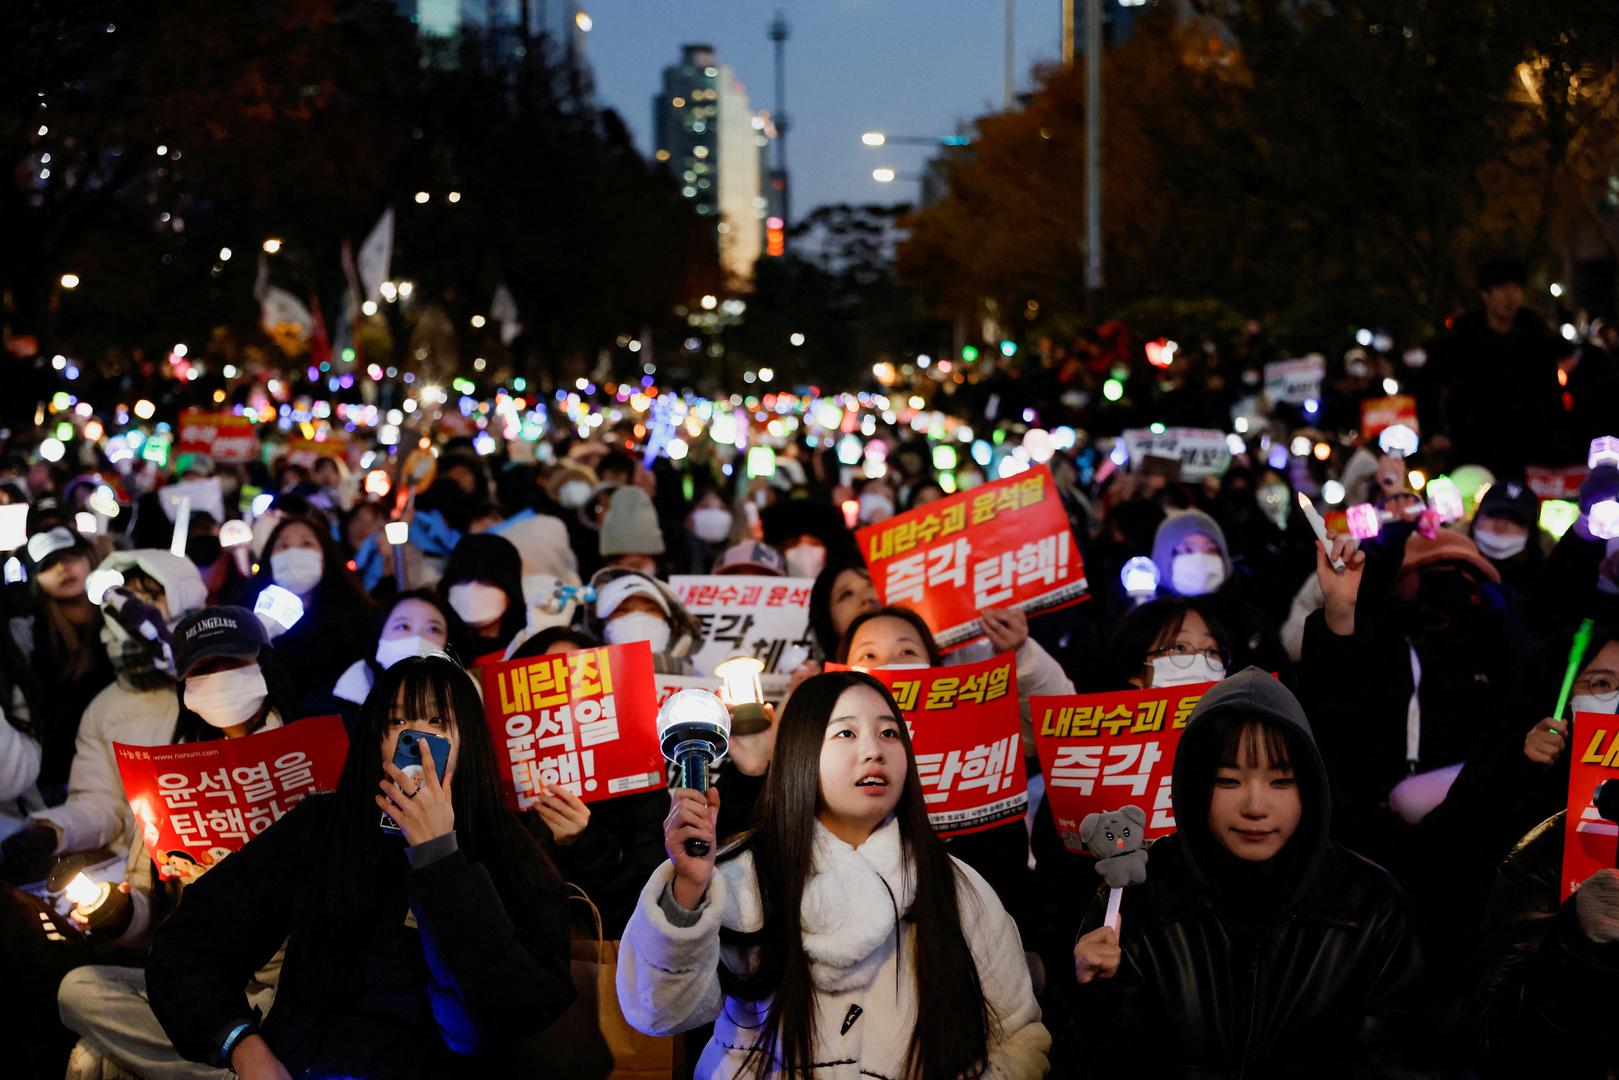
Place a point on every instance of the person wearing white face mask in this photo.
(483, 584)
(1193, 560)
(1507, 532)
(230, 687)
(416, 623)
(301, 558)
(634, 607)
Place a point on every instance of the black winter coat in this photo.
(1324, 990)
(1546, 994)
(443, 980)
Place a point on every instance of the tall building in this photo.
(716, 146)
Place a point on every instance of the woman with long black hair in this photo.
(837, 936)
(424, 954)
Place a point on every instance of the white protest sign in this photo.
(761, 616)
(1200, 451)
(1293, 382)
(201, 496)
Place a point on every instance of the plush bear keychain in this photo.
(1117, 839)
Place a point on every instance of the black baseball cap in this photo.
(1510, 499)
(233, 632)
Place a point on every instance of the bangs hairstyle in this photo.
(1154, 625)
(1251, 743)
(489, 833)
(905, 615)
(456, 632)
(951, 1035)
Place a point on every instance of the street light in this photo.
(70, 281)
(882, 138)
(422, 197)
(271, 246)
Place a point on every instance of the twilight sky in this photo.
(908, 67)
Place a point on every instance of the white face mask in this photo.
(806, 560)
(477, 604)
(1494, 546)
(574, 494)
(1196, 574)
(711, 524)
(297, 570)
(1165, 672)
(392, 650)
(1579, 703)
(875, 508)
(227, 698)
(638, 626)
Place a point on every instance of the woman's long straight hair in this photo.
(952, 1030)
(488, 832)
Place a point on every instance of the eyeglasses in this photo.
(1183, 656)
(1603, 687)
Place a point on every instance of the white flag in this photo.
(375, 255)
(278, 306)
(503, 309)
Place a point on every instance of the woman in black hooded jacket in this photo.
(1256, 946)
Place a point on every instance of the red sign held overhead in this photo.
(1006, 543)
(1379, 414)
(227, 438)
(585, 720)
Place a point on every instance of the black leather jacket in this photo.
(1305, 966)
(1322, 991)
(1545, 994)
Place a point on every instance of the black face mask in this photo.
(203, 550)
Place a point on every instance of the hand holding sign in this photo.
(1007, 628)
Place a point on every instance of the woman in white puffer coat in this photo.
(809, 945)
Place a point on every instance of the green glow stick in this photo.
(1576, 657)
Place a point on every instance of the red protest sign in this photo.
(1590, 842)
(1103, 751)
(585, 720)
(227, 438)
(1378, 414)
(1561, 483)
(967, 737)
(198, 802)
(1006, 543)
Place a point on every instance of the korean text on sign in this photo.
(1006, 543)
(583, 720)
(1103, 751)
(766, 617)
(966, 735)
(195, 803)
(1195, 452)
(1590, 841)
(225, 437)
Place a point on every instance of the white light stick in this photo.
(398, 534)
(182, 525)
(1314, 518)
(1115, 896)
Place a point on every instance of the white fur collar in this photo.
(852, 902)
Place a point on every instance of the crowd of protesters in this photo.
(1364, 881)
